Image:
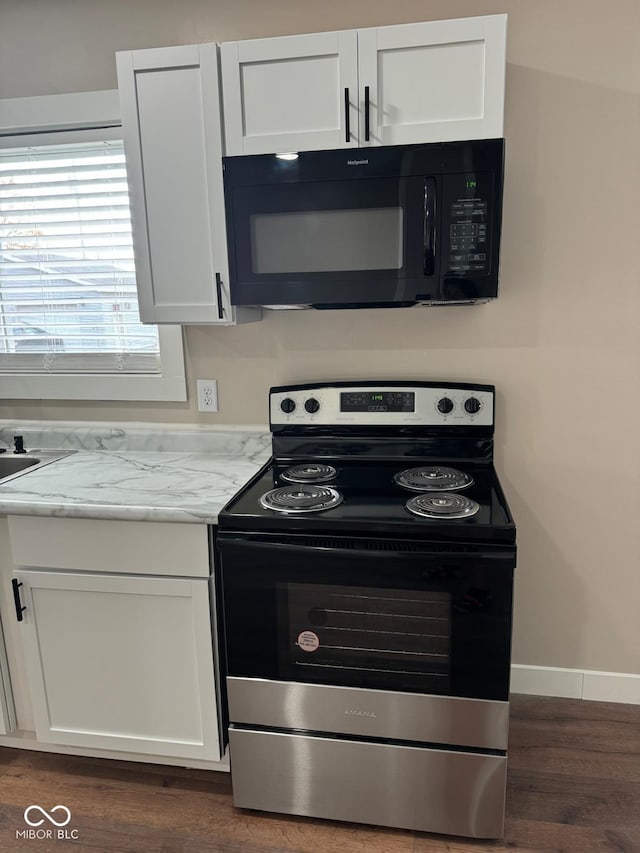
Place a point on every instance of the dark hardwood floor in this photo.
(574, 787)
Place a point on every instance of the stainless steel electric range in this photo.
(367, 575)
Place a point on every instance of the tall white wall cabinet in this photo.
(172, 131)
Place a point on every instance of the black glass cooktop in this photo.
(373, 503)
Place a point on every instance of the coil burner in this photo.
(301, 498)
(433, 478)
(442, 506)
(312, 472)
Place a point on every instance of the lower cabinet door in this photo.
(121, 662)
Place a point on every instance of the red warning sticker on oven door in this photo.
(308, 641)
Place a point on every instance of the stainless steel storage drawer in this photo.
(434, 790)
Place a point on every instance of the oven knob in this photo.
(472, 405)
(311, 405)
(445, 405)
(288, 405)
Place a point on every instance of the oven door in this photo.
(392, 615)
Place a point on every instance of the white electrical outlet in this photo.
(207, 395)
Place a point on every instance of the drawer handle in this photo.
(16, 599)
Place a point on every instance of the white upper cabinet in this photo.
(411, 83)
(169, 99)
(291, 93)
(433, 82)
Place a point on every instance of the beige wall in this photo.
(561, 343)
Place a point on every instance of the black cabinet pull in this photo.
(219, 292)
(366, 113)
(16, 599)
(347, 123)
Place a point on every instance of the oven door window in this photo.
(366, 633)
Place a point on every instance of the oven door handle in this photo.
(329, 544)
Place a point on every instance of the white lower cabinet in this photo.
(118, 661)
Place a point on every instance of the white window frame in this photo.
(58, 118)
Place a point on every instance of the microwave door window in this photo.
(317, 241)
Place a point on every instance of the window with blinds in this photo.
(68, 300)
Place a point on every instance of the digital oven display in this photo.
(378, 401)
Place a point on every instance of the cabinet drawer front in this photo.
(123, 547)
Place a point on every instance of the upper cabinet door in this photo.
(173, 141)
(295, 93)
(433, 82)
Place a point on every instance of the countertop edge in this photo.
(168, 515)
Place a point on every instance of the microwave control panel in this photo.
(467, 210)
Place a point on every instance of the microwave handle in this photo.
(429, 226)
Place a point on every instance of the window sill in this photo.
(170, 385)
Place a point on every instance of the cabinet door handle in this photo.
(347, 124)
(219, 292)
(16, 599)
(366, 113)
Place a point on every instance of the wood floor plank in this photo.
(577, 738)
(306, 835)
(557, 798)
(7, 757)
(107, 836)
(536, 837)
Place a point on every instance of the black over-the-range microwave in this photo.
(369, 227)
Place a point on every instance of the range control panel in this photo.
(384, 405)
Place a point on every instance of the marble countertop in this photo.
(189, 484)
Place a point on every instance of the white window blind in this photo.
(68, 301)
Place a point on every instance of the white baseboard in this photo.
(576, 683)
